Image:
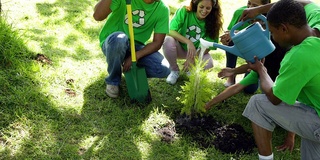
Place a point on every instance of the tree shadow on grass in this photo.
(74, 16)
(120, 125)
(27, 114)
(114, 122)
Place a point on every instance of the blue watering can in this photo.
(249, 42)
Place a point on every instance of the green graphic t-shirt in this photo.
(147, 19)
(188, 25)
(299, 75)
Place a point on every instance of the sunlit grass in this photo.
(40, 120)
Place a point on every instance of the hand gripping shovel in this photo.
(136, 78)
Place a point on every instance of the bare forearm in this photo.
(241, 69)
(227, 93)
(152, 47)
(265, 81)
(266, 85)
(102, 10)
(264, 8)
(146, 50)
(176, 35)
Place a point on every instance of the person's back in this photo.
(300, 73)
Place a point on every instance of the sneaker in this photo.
(112, 91)
(173, 77)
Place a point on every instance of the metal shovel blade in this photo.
(137, 84)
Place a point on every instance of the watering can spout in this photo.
(232, 49)
(205, 44)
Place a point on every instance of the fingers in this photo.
(225, 39)
(221, 75)
(243, 16)
(207, 106)
(281, 148)
(263, 59)
(284, 148)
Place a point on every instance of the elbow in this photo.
(97, 17)
(158, 44)
(273, 99)
(275, 102)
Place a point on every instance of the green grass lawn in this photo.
(58, 109)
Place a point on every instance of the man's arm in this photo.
(228, 72)
(102, 10)
(228, 92)
(250, 13)
(152, 47)
(191, 48)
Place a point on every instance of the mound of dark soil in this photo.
(206, 131)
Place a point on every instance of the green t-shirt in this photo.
(147, 19)
(236, 17)
(313, 15)
(188, 25)
(299, 75)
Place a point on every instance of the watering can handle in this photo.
(239, 24)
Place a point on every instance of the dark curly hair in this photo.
(287, 11)
(213, 20)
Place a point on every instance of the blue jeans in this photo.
(116, 48)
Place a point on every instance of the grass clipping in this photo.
(197, 91)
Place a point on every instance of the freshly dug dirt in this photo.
(206, 131)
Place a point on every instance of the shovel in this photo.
(136, 78)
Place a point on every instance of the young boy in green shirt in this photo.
(201, 19)
(293, 100)
(312, 13)
(150, 17)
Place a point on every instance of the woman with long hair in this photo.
(201, 19)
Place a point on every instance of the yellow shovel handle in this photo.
(131, 35)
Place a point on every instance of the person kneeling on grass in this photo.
(201, 19)
(293, 100)
(153, 19)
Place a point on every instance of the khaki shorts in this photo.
(298, 118)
